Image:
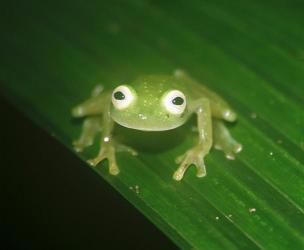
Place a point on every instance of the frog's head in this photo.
(149, 105)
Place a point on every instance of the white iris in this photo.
(175, 102)
(122, 97)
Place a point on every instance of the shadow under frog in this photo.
(153, 141)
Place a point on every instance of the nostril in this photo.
(142, 116)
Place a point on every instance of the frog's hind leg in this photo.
(219, 107)
(224, 141)
(92, 106)
(91, 126)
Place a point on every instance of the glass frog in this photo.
(157, 103)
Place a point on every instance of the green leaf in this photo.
(52, 55)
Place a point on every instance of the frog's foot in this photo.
(80, 145)
(97, 90)
(224, 141)
(124, 148)
(230, 148)
(192, 156)
(107, 152)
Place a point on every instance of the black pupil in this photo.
(119, 95)
(178, 101)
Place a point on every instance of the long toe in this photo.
(230, 156)
(178, 176)
(238, 148)
(114, 170)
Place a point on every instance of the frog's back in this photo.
(157, 85)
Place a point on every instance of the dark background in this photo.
(50, 200)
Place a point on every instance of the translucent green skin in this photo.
(148, 113)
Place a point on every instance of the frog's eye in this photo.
(175, 102)
(123, 96)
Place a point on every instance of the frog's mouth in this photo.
(149, 126)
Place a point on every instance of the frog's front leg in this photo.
(196, 154)
(108, 146)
